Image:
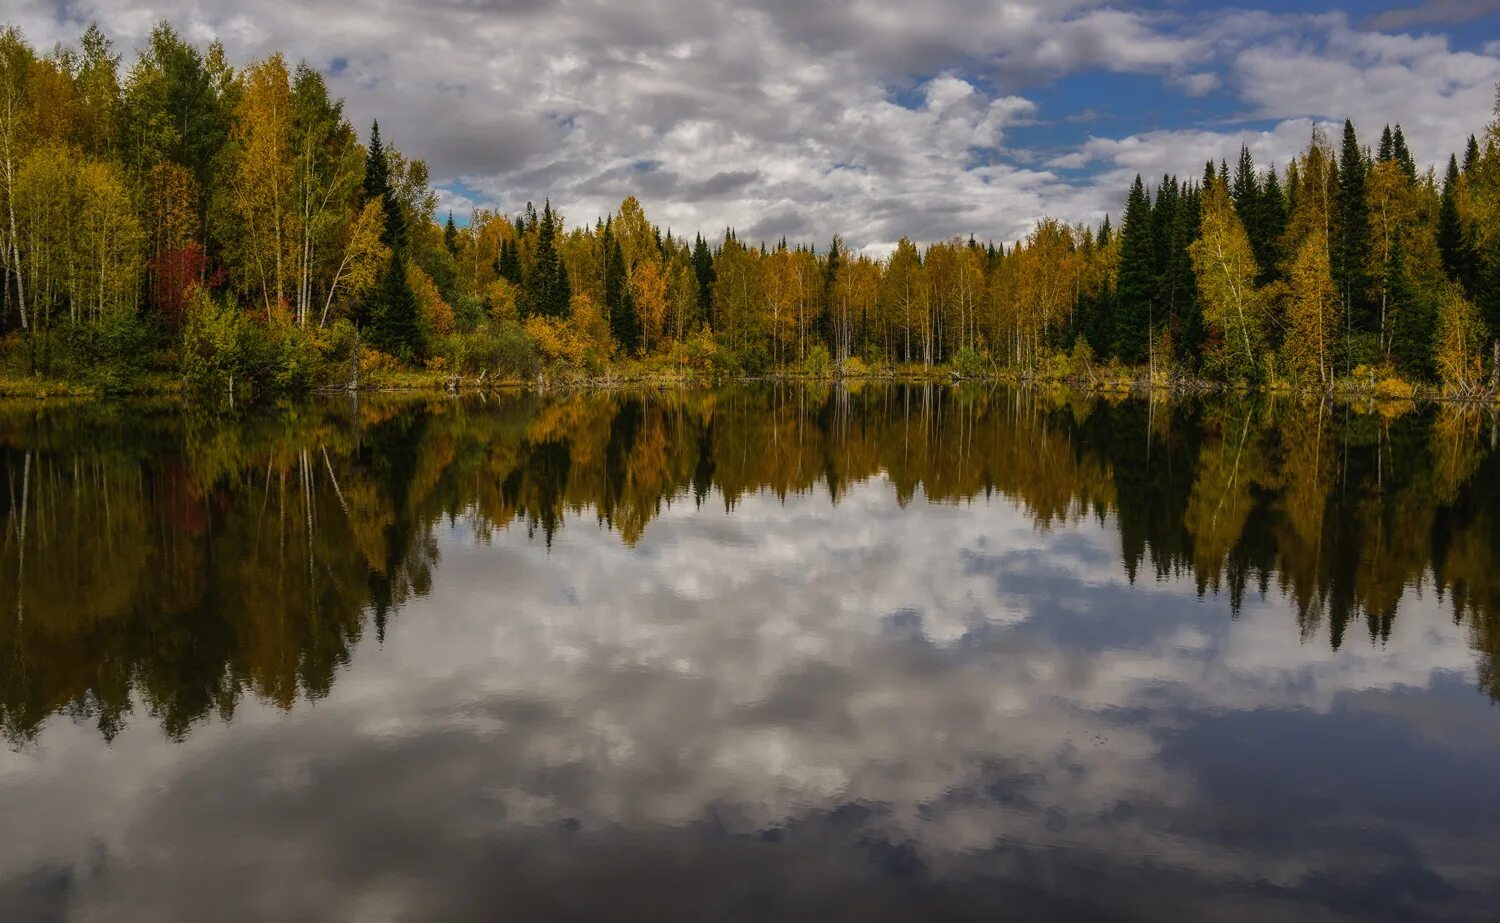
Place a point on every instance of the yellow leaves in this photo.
(1225, 267)
(171, 206)
(365, 252)
(1311, 312)
(436, 315)
(262, 179)
(589, 323)
(501, 296)
(648, 290)
(1460, 344)
(78, 233)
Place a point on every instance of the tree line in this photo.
(185, 217)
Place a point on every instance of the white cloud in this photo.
(778, 116)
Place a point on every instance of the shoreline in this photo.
(1346, 391)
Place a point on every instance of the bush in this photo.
(495, 348)
(817, 364)
(219, 343)
(108, 355)
(969, 363)
(1393, 388)
(854, 367)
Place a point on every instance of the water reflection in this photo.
(756, 653)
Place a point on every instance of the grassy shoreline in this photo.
(1112, 383)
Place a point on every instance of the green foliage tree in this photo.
(1133, 310)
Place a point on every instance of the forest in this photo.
(178, 222)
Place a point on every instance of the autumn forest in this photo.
(178, 221)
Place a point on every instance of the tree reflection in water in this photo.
(176, 561)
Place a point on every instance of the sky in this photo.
(867, 118)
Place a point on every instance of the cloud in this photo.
(795, 695)
(873, 119)
(1434, 12)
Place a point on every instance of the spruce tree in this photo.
(391, 312)
(703, 268)
(377, 186)
(1414, 320)
(450, 235)
(1180, 294)
(624, 326)
(1245, 191)
(1132, 309)
(830, 279)
(1402, 155)
(1387, 150)
(1163, 216)
(1352, 243)
(1452, 241)
(1471, 155)
(1489, 287)
(509, 262)
(393, 325)
(547, 291)
(1271, 226)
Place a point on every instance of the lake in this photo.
(758, 653)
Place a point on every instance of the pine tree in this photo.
(830, 279)
(1414, 321)
(1271, 225)
(1245, 191)
(703, 268)
(547, 293)
(377, 186)
(1489, 287)
(1452, 239)
(508, 263)
(1402, 155)
(393, 322)
(624, 326)
(1471, 155)
(1180, 294)
(1133, 310)
(1352, 243)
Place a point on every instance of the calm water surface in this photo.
(751, 654)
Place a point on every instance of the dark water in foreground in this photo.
(750, 654)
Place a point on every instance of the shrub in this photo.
(817, 364)
(969, 363)
(1393, 388)
(854, 367)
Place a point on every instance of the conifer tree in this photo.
(548, 292)
(1352, 243)
(703, 268)
(377, 186)
(391, 312)
(1402, 155)
(1452, 239)
(1271, 222)
(393, 322)
(450, 235)
(1180, 293)
(1414, 321)
(830, 280)
(1246, 190)
(1133, 309)
(623, 324)
(1471, 155)
(1489, 287)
